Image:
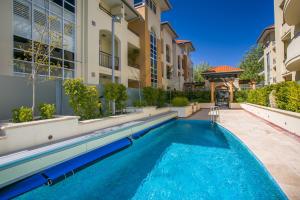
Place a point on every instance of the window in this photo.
(153, 58)
(169, 72)
(40, 21)
(138, 2)
(168, 53)
(178, 62)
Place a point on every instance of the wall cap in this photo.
(38, 122)
(284, 112)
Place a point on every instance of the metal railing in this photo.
(214, 114)
(105, 60)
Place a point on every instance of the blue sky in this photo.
(221, 30)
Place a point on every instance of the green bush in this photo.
(288, 96)
(180, 102)
(241, 96)
(193, 96)
(115, 92)
(161, 98)
(150, 95)
(139, 104)
(121, 97)
(83, 99)
(259, 96)
(47, 110)
(154, 96)
(22, 114)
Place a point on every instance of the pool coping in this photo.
(261, 164)
(91, 138)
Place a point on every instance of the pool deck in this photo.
(276, 148)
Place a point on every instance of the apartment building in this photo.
(187, 48)
(168, 53)
(267, 40)
(85, 49)
(287, 39)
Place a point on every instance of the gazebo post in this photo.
(231, 90)
(212, 91)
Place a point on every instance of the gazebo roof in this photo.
(222, 72)
(223, 69)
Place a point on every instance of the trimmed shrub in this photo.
(288, 96)
(139, 104)
(83, 99)
(241, 96)
(259, 96)
(115, 92)
(47, 110)
(194, 96)
(150, 95)
(161, 98)
(180, 102)
(121, 97)
(22, 114)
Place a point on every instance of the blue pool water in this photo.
(180, 160)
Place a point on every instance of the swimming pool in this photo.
(183, 159)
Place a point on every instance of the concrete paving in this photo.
(276, 148)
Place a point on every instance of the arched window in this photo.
(153, 58)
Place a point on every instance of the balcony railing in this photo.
(105, 60)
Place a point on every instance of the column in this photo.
(231, 91)
(212, 91)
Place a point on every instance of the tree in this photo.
(83, 99)
(39, 50)
(199, 69)
(251, 65)
(115, 92)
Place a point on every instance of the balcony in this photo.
(293, 55)
(133, 73)
(291, 12)
(105, 60)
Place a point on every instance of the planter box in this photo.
(19, 136)
(183, 111)
(198, 106)
(147, 109)
(235, 106)
(287, 120)
(206, 105)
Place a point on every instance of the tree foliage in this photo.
(84, 99)
(115, 92)
(198, 70)
(251, 65)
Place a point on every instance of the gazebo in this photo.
(222, 80)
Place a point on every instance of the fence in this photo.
(17, 91)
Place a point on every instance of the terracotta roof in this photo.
(182, 41)
(224, 68)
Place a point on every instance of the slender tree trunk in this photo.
(140, 97)
(33, 91)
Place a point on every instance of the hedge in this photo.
(287, 96)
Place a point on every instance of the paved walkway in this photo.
(278, 151)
